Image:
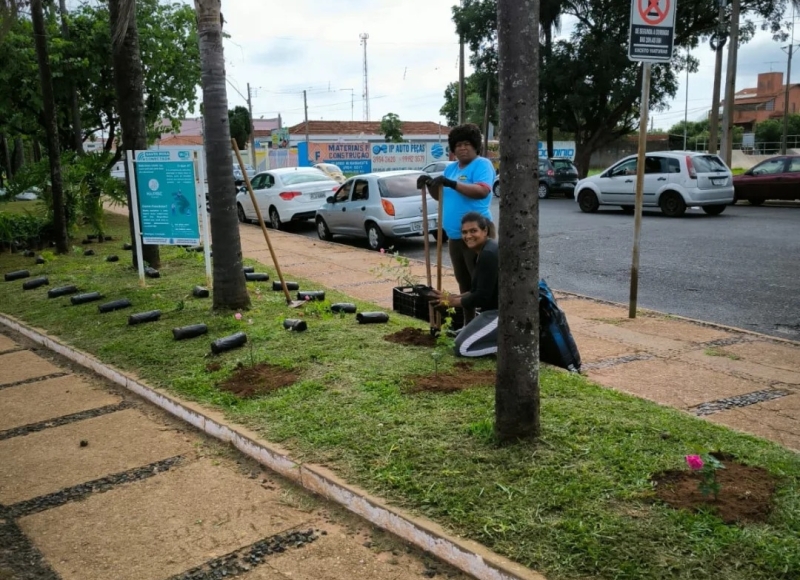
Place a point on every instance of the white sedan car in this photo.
(284, 195)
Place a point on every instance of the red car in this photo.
(775, 178)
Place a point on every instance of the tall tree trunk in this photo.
(230, 290)
(7, 157)
(37, 150)
(517, 392)
(51, 128)
(549, 115)
(129, 88)
(18, 157)
(77, 130)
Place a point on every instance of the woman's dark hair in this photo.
(466, 132)
(473, 216)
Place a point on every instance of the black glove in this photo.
(424, 180)
(442, 180)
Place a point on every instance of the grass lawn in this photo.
(577, 503)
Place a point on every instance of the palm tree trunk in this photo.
(517, 391)
(230, 290)
(129, 87)
(77, 130)
(51, 128)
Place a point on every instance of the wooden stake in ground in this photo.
(425, 235)
(439, 243)
(289, 301)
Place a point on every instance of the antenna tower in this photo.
(365, 96)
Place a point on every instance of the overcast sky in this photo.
(283, 48)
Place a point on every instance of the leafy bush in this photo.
(17, 230)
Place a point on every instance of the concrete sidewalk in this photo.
(746, 381)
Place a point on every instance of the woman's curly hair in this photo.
(466, 132)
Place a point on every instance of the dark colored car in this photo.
(556, 175)
(776, 178)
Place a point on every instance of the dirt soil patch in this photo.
(462, 377)
(257, 380)
(745, 492)
(412, 337)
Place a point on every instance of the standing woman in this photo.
(467, 184)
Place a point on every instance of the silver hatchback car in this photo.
(377, 206)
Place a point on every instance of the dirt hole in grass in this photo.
(745, 494)
(462, 377)
(263, 378)
(412, 337)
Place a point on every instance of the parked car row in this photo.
(777, 178)
(377, 206)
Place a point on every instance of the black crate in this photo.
(406, 300)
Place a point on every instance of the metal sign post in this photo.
(652, 36)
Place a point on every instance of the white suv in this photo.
(673, 181)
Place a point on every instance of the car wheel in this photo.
(714, 209)
(587, 201)
(756, 201)
(275, 219)
(629, 209)
(544, 191)
(322, 230)
(375, 237)
(672, 204)
(496, 188)
(240, 212)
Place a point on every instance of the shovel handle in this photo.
(260, 219)
(425, 233)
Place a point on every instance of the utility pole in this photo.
(253, 158)
(686, 105)
(717, 43)
(305, 106)
(790, 50)
(726, 143)
(364, 37)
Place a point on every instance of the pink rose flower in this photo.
(695, 462)
(238, 316)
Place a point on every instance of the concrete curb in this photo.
(466, 555)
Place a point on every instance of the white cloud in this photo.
(281, 49)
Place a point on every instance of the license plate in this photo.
(719, 181)
(317, 195)
(417, 226)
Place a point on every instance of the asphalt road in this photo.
(741, 268)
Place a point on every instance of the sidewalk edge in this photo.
(697, 321)
(465, 555)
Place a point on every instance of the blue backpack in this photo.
(556, 344)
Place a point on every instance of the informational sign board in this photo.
(652, 33)
(167, 199)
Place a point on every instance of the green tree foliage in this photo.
(475, 99)
(391, 128)
(241, 126)
(168, 39)
(594, 87)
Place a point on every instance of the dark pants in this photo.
(463, 260)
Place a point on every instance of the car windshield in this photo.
(399, 185)
(298, 178)
(708, 164)
(564, 164)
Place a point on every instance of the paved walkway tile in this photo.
(49, 460)
(674, 329)
(595, 349)
(591, 310)
(759, 371)
(24, 365)
(645, 342)
(6, 343)
(672, 383)
(776, 420)
(34, 402)
(767, 353)
(161, 526)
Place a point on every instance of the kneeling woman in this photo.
(479, 337)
